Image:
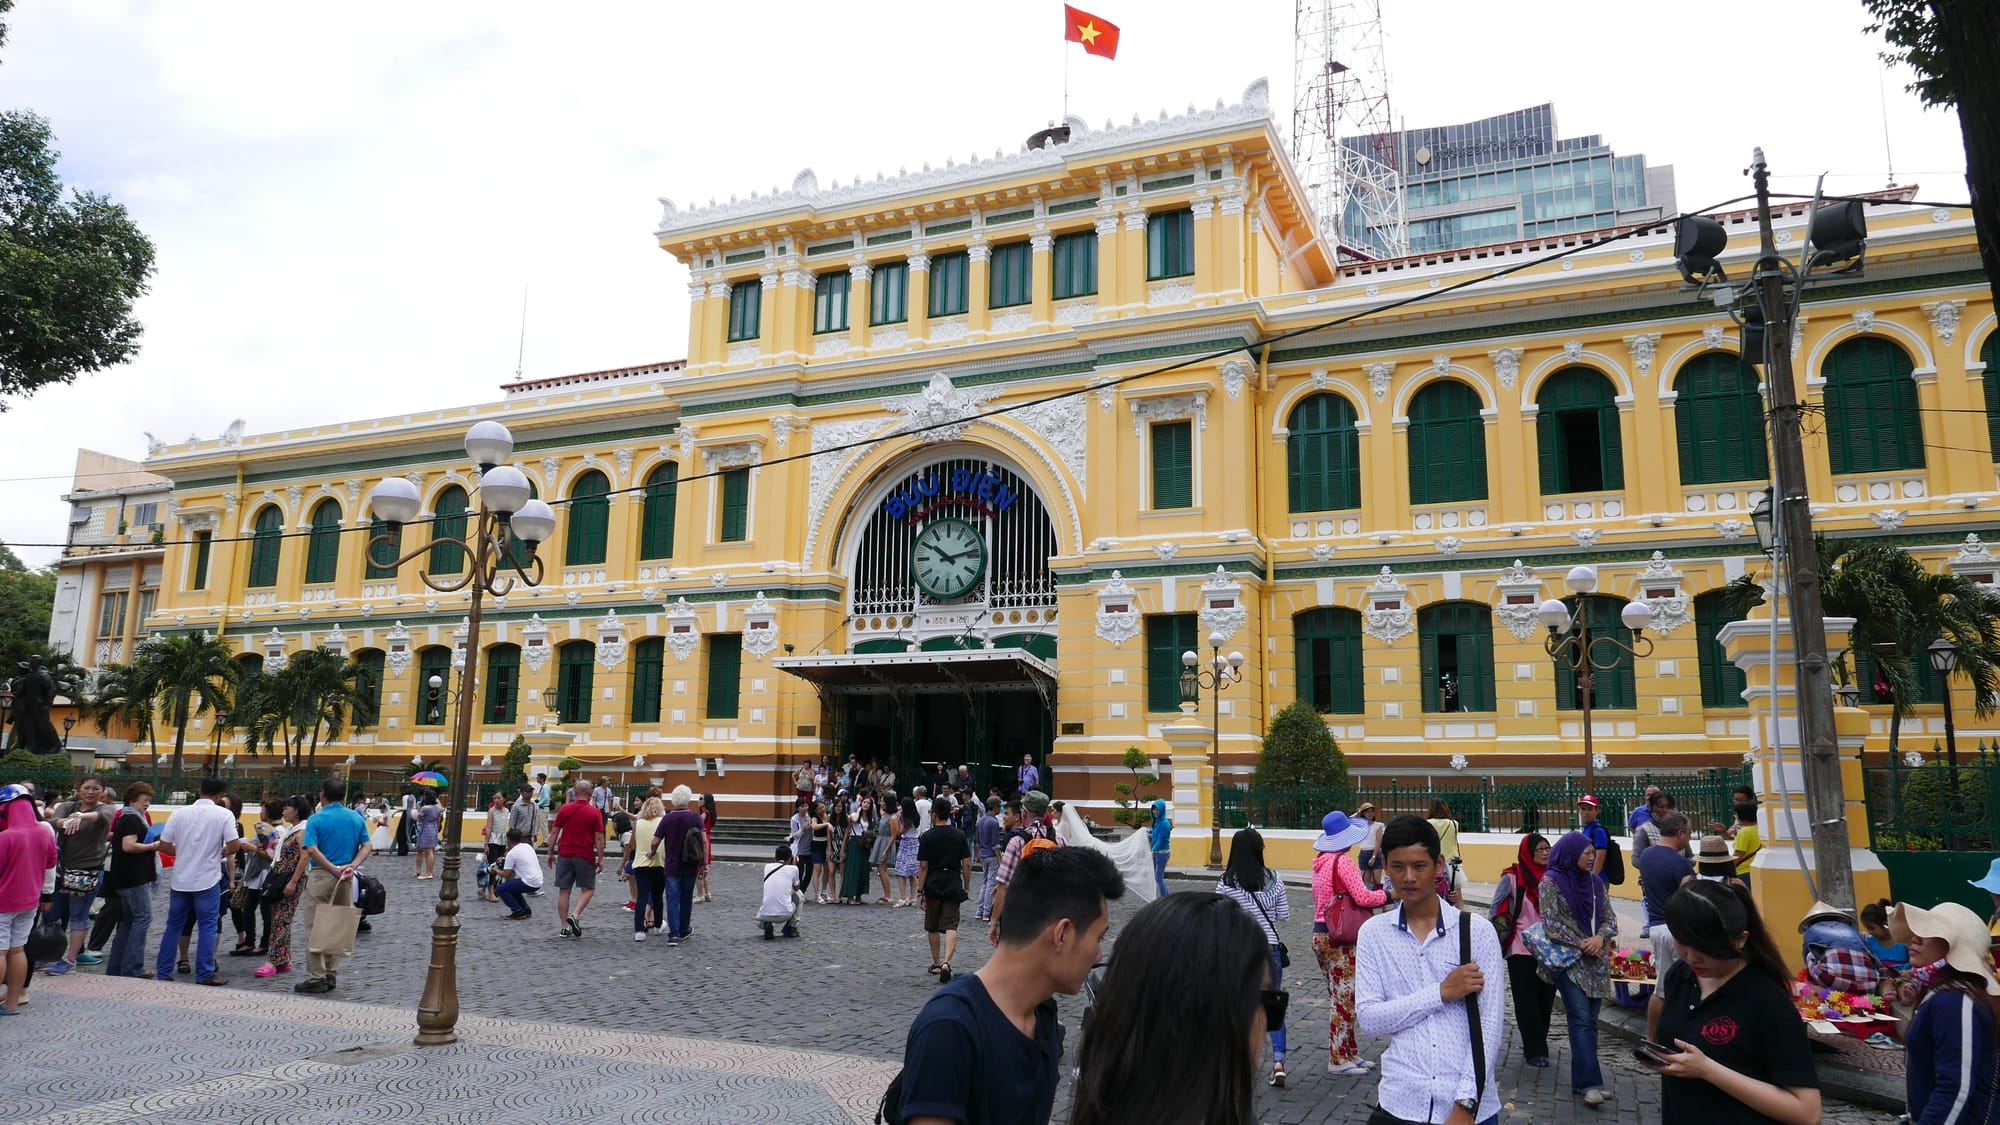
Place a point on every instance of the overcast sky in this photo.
(348, 200)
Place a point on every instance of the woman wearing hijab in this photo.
(1577, 919)
(1335, 877)
(1950, 1074)
(1517, 904)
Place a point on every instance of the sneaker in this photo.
(630, 907)
(310, 987)
(519, 914)
(638, 935)
(1593, 1097)
(1538, 1061)
(673, 941)
(575, 928)
(59, 968)
(1349, 1070)
(89, 958)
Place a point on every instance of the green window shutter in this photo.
(656, 520)
(745, 310)
(323, 544)
(830, 302)
(1323, 455)
(575, 674)
(1719, 421)
(589, 520)
(1550, 454)
(204, 544)
(1169, 244)
(267, 545)
(1873, 422)
(1476, 691)
(1010, 276)
(1611, 445)
(648, 665)
(1579, 398)
(1722, 682)
(433, 711)
(725, 675)
(1466, 629)
(948, 284)
(1075, 265)
(1167, 636)
(1428, 624)
(374, 554)
(368, 682)
(889, 294)
(503, 683)
(735, 524)
(1446, 440)
(1329, 676)
(447, 557)
(1173, 464)
(1990, 383)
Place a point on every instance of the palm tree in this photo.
(186, 675)
(324, 692)
(1895, 602)
(262, 710)
(122, 697)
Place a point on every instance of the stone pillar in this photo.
(978, 278)
(1042, 277)
(1131, 272)
(1228, 282)
(1206, 271)
(1779, 776)
(1107, 259)
(768, 316)
(918, 298)
(858, 304)
(1188, 740)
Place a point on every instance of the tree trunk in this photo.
(180, 740)
(1969, 32)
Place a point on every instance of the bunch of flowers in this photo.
(1632, 964)
(1816, 1003)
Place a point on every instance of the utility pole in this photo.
(1826, 799)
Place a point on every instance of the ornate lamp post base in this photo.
(437, 1011)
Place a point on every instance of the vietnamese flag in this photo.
(1098, 35)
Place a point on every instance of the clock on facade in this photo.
(947, 558)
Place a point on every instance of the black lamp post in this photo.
(1221, 672)
(1573, 647)
(6, 711)
(1944, 661)
(69, 721)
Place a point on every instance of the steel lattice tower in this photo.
(1343, 136)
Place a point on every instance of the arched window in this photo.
(433, 708)
(1447, 444)
(267, 545)
(1719, 421)
(1615, 690)
(448, 557)
(1329, 660)
(368, 685)
(1990, 383)
(589, 520)
(648, 665)
(251, 663)
(574, 662)
(1577, 433)
(503, 682)
(375, 556)
(656, 519)
(1722, 682)
(1872, 420)
(1323, 453)
(323, 545)
(1457, 654)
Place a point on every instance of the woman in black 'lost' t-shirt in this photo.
(1727, 1005)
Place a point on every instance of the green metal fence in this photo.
(1933, 807)
(1487, 804)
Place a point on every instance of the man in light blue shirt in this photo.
(1163, 831)
(336, 842)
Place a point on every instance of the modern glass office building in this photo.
(1509, 177)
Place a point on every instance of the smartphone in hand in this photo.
(1653, 1054)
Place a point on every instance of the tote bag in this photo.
(335, 923)
(1554, 956)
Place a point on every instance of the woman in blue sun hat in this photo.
(1991, 885)
(1339, 892)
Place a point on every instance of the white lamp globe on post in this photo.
(1636, 615)
(488, 444)
(504, 489)
(394, 501)
(1762, 519)
(1581, 580)
(534, 522)
(1554, 615)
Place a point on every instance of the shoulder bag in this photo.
(1553, 955)
(335, 922)
(1343, 925)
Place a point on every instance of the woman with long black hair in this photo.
(1741, 1053)
(1185, 1051)
(1261, 894)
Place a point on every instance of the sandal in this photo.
(1278, 1075)
(183, 967)
(933, 970)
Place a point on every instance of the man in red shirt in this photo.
(576, 848)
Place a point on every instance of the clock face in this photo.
(947, 558)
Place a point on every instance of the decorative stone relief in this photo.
(459, 638)
(1222, 605)
(1379, 375)
(740, 354)
(1975, 553)
(1864, 320)
(1711, 337)
(1459, 761)
(1944, 318)
(1732, 528)
(718, 580)
(1079, 311)
(1642, 347)
(1107, 396)
(335, 642)
(683, 630)
(1507, 362)
(275, 657)
(611, 640)
(1660, 588)
(829, 440)
(1441, 364)
(760, 627)
(1059, 422)
(624, 457)
(1600, 761)
(1323, 551)
(1320, 378)
(1166, 550)
(1586, 536)
(1234, 372)
(1013, 320)
(1572, 351)
(782, 426)
(1169, 408)
(1118, 618)
(354, 493)
(688, 435)
(1170, 293)
(733, 455)
(1889, 518)
(940, 412)
(396, 657)
(1520, 599)
(1388, 618)
(892, 336)
(535, 643)
(1449, 545)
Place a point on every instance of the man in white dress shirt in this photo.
(1410, 986)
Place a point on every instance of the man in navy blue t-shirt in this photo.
(986, 1048)
(1662, 867)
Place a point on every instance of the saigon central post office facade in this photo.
(903, 498)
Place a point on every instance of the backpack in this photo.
(694, 848)
(1506, 912)
(1614, 865)
(1037, 844)
(374, 898)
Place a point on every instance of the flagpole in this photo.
(1065, 112)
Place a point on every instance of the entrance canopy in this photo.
(974, 670)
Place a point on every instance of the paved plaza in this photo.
(725, 1028)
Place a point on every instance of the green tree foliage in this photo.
(1894, 600)
(1299, 750)
(317, 696)
(122, 696)
(514, 767)
(186, 675)
(27, 601)
(1133, 793)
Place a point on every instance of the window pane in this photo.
(735, 525)
(447, 557)
(1075, 265)
(745, 309)
(725, 660)
(1167, 636)
(1169, 244)
(948, 274)
(889, 294)
(830, 302)
(1173, 464)
(648, 665)
(589, 520)
(503, 682)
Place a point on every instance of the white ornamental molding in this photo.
(396, 657)
(611, 640)
(1320, 378)
(1573, 351)
(292, 495)
(1864, 320)
(335, 642)
(690, 434)
(1059, 422)
(1222, 605)
(1170, 293)
(940, 412)
(1520, 620)
(1642, 347)
(783, 426)
(459, 639)
(535, 643)
(1507, 363)
(1888, 519)
(1944, 318)
(731, 455)
(760, 627)
(683, 630)
(1169, 408)
(1660, 587)
(1441, 365)
(551, 473)
(1234, 372)
(1711, 337)
(275, 658)
(1732, 528)
(831, 460)
(1323, 551)
(354, 494)
(229, 502)
(1013, 320)
(624, 458)
(1520, 599)
(1450, 545)
(1586, 536)
(1117, 611)
(1107, 396)
(1600, 761)
(1974, 556)
(1166, 550)
(1378, 374)
(1388, 618)
(1459, 761)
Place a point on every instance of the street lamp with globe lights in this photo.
(1221, 672)
(1573, 647)
(507, 511)
(1944, 661)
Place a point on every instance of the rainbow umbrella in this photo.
(432, 778)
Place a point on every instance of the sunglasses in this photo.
(1275, 1003)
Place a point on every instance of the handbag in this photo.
(335, 922)
(1553, 955)
(77, 880)
(47, 942)
(1284, 953)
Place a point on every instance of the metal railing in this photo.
(1921, 808)
(1488, 804)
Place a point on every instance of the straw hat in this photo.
(1338, 833)
(1822, 912)
(1714, 857)
(1965, 936)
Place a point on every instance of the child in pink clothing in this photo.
(27, 852)
(1335, 876)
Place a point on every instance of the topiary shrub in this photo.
(514, 767)
(1299, 750)
(1131, 794)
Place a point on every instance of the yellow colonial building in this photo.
(961, 461)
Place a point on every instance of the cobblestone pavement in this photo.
(849, 986)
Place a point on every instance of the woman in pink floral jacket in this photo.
(1335, 877)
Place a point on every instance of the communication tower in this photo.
(1343, 137)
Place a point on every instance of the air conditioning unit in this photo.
(156, 527)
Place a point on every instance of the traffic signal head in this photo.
(1698, 242)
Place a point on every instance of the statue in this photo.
(34, 693)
